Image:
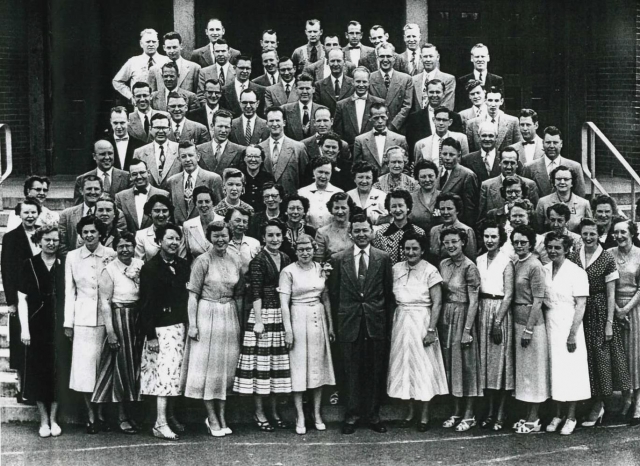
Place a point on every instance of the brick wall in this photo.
(613, 88)
(14, 84)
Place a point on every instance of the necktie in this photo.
(440, 151)
(387, 80)
(443, 178)
(480, 77)
(493, 120)
(272, 79)
(313, 56)
(380, 133)
(305, 120)
(425, 96)
(106, 183)
(413, 63)
(337, 88)
(221, 77)
(551, 167)
(137, 190)
(287, 89)
(91, 211)
(162, 159)
(176, 133)
(150, 63)
(362, 269)
(485, 159)
(247, 133)
(276, 153)
(478, 112)
(146, 125)
(211, 123)
(524, 143)
(188, 191)
(216, 156)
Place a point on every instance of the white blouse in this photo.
(491, 275)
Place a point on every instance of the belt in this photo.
(490, 296)
(218, 300)
(124, 305)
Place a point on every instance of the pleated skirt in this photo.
(631, 340)
(497, 364)
(533, 384)
(161, 372)
(416, 372)
(85, 357)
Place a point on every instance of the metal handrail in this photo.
(8, 147)
(589, 133)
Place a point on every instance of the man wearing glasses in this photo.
(161, 155)
(204, 115)
(248, 128)
(233, 89)
(183, 129)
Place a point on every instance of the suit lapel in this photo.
(350, 268)
(346, 87)
(183, 70)
(326, 83)
(295, 125)
(378, 85)
(353, 117)
(228, 155)
(283, 159)
(393, 87)
(179, 188)
(371, 142)
(172, 155)
(151, 162)
(418, 87)
(453, 179)
(502, 132)
(372, 270)
(130, 203)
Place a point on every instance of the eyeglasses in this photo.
(271, 196)
(305, 250)
(520, 242)
(214, 92)
(39, 190)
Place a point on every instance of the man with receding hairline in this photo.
(248, 128)
(204, 56)
(430, 60)
(188, 71)
(271, 74)
(322, 68)
(123, 145)
(113, 180)
(337, 85)
(161, 155)
(377, 36)
(480, 59)
(312, 51)
(269, 40)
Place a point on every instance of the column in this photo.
(417, 11)
(184, 22)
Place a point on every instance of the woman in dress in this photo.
(319, 192)
(627, 312)
(163, 319)
(107, 214)
(216, 291)
(416, 369)
(399, 204)
(335, 237)
(119, 369)
(306, 311)
(566, 297)
(450, 206)
(159, 208)
(457, 329)
(364, 195)
(425, 212)
(532, 351)
(396, 159)
(295, 208)
(83, 322)
(263, 368)
(604, 209)
(496, 328)
(40, 288)
(194, 237)
(608, 369)
(272, 197)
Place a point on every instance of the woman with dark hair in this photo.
(627, 312)
(416, 369)
(557, 217)
(513, 189)
(35, 188)
(398, 203)
(40, 295)
(107, 214)
(335, 236)
(255, 176)
(565, 298)
(163, 319)
(364, 195)
(396, 159)
(319, 192)
(457, 329)
(119, 369)
(160, 209)
(521, 214)
(497, 363)
(84, 323)
(450, 206)
(532, 351)
(330, 147)
(425, 212)
(272, 196)
(233, 187)
(263, 367)
(295, 208)
(605, 210)
(194, 236)
(608, 369)
(216, 292)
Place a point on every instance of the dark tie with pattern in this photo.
(413, 63)
(313, 56)
(443, 178)
(247, 133)
(387, 80)
(150, 63)
(305, 120)
(146, 125)
(188, 192)
(91, 211)
(162, 159)
(337, 88)
(287, 89)
(362, 270)
(221, 77)
(106, 183)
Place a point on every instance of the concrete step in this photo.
(4, 359)
(4, 336)
(8, 384)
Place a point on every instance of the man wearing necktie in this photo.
(112, 179)
(485, 162)
(271, 75)
(189, 71)
(508, 126)
(477, 95)
(220, 153)
(183, 129)
(232, 91)
(284, 90)
(311, 51)
(204, 115)
(160, 98)
(120, 139)
(410, 61)
(459, 180)
(480, 59)
(298, 114)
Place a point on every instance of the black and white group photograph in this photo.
(292, 233)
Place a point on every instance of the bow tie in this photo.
(137, 190)
(351, 47)
(380, 133)
(121, 139)
(524, 143)
(357, 97)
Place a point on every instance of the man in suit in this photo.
(456, 179)
(170, 74)
(285, 158)
(490, 195)
(421, 124)
(231, 91)
(181, 185)
(336, 86)
(161, 155)
(480, 59)
(131, 201)
(140, 118)
(188, 71)
(269, 40)
(248, 128)
(299, 115)
(221, 70)
(478, 98)
(508, 130)
(352, 113)
(429, 147)
(220, 153)
(360, 290)
(371, 146)
(377, 36)
(312, 51)
(323, 124)
(284, 91)
(183, 129)
(270, 64)
(409, 61)
(531, 147)
(322, 68)
(430, 71)
(204, 56)
(112, 179)
(485, 162)
(136, 69)
(355, 51)
(122, 143)
(539, 169)
(204, 114)
(395, 87)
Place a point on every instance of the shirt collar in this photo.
(548, 161)
(215, 144)
(309, 105)
(363, 98)
(357, 250)
(393, 228)
(194, 174)
(329, 189)
(84, 252)
(157, 146)
(101, 174)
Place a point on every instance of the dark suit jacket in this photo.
(365, 149)
(325, 92)
(276, 96)
(462, 98)
(464, 183)
(230, 158)
(159, 99)
(263, 80)
(192, 131)
(67, 233)
(119, 182)
(399, 97)
(316, 70)
(176, 189)
(200, 116)
(15, 250)
(125, 201)
(229, 99)
(537, 171)
(490, 197)
(260, 131)
(202, 56)
(212, 72)
(345, 121)
(131, 147)
(418, 126)
(291, 166)
(136, 126)
(350, 303)
(313, 150)
(293, 129)
(473, 162)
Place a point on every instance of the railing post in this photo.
(592, 152)
(633, 199)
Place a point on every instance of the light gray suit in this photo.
(231, 157)
(508, 132)
(398, 97)
(423, 148)
(187, 76)
(212, 72)
(192, 131)
(491, 198)
(293, 129)
(125, 201)
(67, 233)
(159, 99)
(316, 70)
(136, 125)
(291, 166)
(449, 81)
(403, 63)
(176, 189)
(539, 151)
(171, 165)
(275, 95)
(537, 171)
(365, 149)
(119, 182)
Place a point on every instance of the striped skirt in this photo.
(160, 373)
(120, 369)
(263, 367)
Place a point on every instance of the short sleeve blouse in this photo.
(213, 277)
(411, 284)
(460, 279)
(126, 280)
(304, 286)
(529, 280)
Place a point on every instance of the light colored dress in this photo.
(318, 215)
(497, 363)
(217, 281)
(374, 206)
(331, 239)
(387, 184)
(569, 371)
(310, 357)
(416, 372)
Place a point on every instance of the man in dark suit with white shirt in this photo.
(335, 87)
(204, 115)
(123, 144)
(485, 163)
(248, 128)
(480, 59)
(508, 130)
(232, 90)
(220, 153)
(323, 125)
(284, 91)
(531, 146)
(355, 51)
(409, 61)
(221, 70)
(322, 68)
(271, 75)
(299, 115)
(140, 117)
(113, 180)
(456, 179)
(204, 56)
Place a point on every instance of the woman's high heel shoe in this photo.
(597, 421)
(214, 433)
